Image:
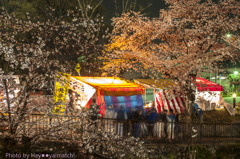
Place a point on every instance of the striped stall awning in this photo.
(165, 101)
(201, 83)
(152, 83)
(206, 85)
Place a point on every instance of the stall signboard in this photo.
(84, 90)
(60, 93)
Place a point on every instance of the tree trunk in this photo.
(8, 105)
(190, 99)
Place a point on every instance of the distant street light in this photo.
(234, 99)
(235, 72)
(228, 35)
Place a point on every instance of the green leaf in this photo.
(82, 59)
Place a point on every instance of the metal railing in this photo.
(152, 131)
(181, 132)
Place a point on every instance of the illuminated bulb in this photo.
(234, 95)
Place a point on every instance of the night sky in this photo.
(153, 10)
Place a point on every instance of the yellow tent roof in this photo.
(152, 83)
(107, 82)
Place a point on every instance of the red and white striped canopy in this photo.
(165, 101)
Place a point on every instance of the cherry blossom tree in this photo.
(36, 51)
(187, 37)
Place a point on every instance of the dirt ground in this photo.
(219, 115)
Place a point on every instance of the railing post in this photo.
(24, 118)
(200, 133)
(188, 131)
(215, 135)
(117, 126)
(82, 128)
(171, 130)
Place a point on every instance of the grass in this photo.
(230, 99)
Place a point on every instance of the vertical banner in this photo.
(101, 102)
(60, 93)
(84, 90)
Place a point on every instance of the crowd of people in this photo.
(140, 123)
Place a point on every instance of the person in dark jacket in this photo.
(151, 119)
(160, 127)
(142, 125)
(153, 108)
(177, 126)
(171, 124)
(135, 124)
(121, 113)
(120, 118)
(140, 115)
(146, 111)
(162, 116)
(130, 113)
(164, 119)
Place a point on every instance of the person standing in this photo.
(113, 117)
(153, 108)
(177, 126)
(107, 121)
(121, 116)
(146, 111)
(151, 121)
(171, 124)
(130, 114)
(159, 127)
(136, 128)
(142, 126)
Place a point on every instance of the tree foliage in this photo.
(61, 11)
(234, 79)
(186, 37)
(20, 7)
(64, 41)
(41, 49)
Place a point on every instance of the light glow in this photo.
(105, 81)
(234, 95)
(228, 35)
(235, 72)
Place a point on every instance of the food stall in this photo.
(154, 88)
(107, 91)
(151, 86)
(207, 94)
